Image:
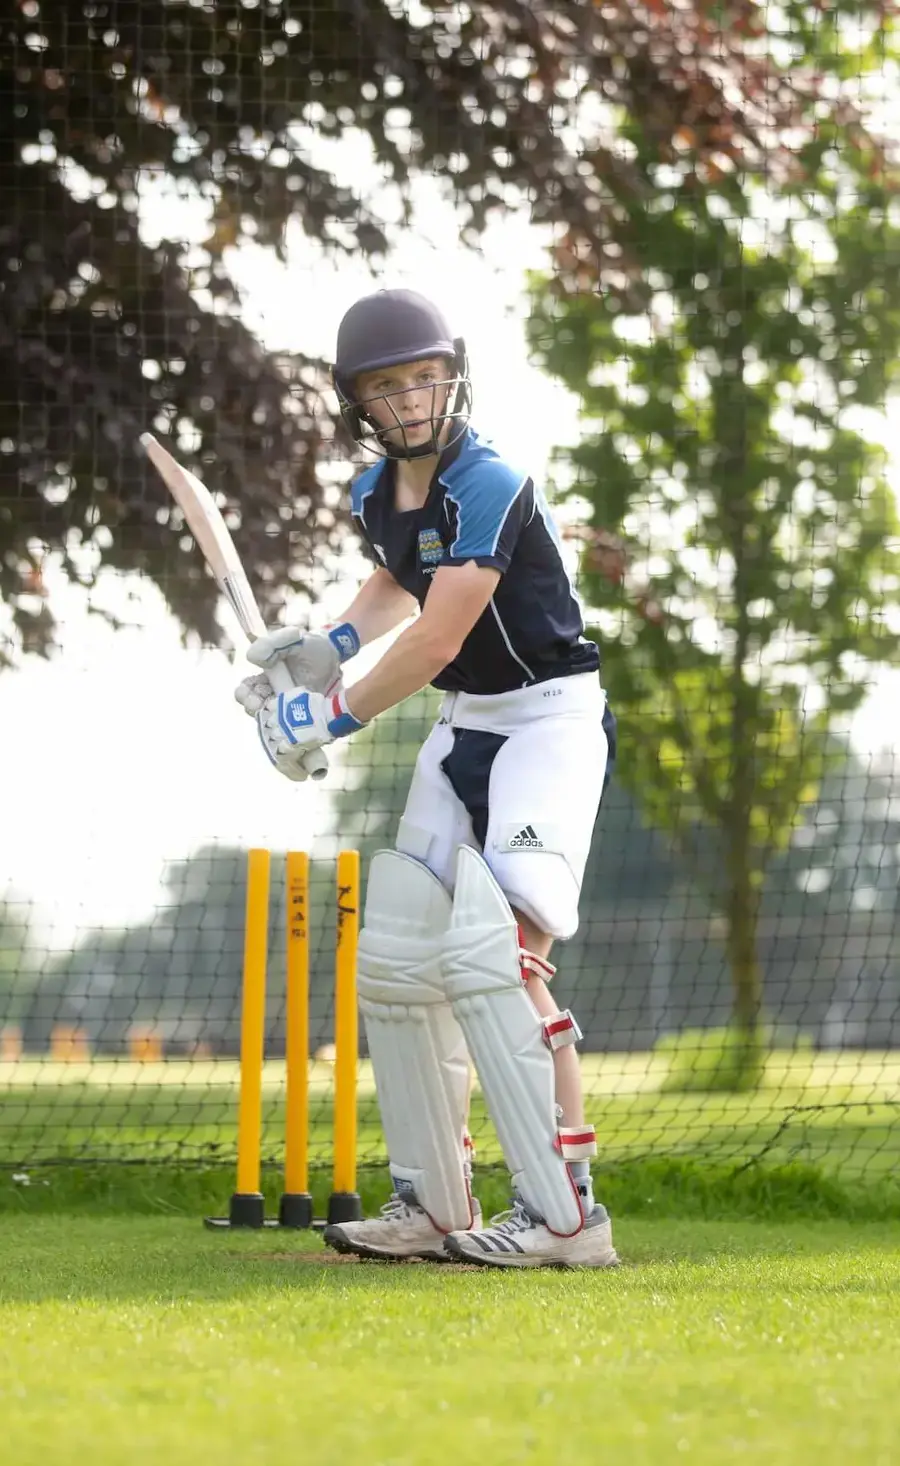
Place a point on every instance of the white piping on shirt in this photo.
(508, 644)
(459, 517)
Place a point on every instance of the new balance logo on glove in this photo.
(526, 840)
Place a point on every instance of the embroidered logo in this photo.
(297, 713)
(431, 549)
(345, 644)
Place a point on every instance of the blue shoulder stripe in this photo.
(484, 488)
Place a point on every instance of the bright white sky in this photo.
(112, 783)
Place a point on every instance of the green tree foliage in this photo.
(717, 361)
(103, 335)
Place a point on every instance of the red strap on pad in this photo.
(577, 1143)
(561, 1030)
(531, 965)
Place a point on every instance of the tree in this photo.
(717, 365)
(105, 334)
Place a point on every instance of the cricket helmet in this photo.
(384, 330)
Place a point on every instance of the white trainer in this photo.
(516, 1238)
(402, 1230)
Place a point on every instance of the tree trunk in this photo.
(742, 911)
(745, 1056)
(743, 885)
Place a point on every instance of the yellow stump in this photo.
(344, 1204)
(295, 1209)
(247, 1207)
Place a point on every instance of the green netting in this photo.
(670, 237)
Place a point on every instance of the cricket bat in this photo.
(205, 522)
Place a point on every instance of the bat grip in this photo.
(315, 762)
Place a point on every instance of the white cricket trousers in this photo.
(518, 775)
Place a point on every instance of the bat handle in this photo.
(315, 762)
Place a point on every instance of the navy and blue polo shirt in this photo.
(480, 508)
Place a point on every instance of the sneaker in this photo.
(517, 1238)
(402, 1230)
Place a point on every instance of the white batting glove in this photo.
(253, 693)
(312, 658)
(292, 724)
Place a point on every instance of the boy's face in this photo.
(403, 400)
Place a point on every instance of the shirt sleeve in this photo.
(492, 508)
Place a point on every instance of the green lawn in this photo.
(838, 1112)
(136, 1340)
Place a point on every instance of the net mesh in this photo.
(668, 236)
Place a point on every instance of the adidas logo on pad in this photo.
(526, 840)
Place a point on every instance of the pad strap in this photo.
(561, 1030)
(534, 966)
(577, 1143)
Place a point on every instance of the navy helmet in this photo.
(385, 330)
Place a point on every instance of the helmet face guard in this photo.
(393, 328)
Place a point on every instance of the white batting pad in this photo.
(506, 1039)
(417, 1048)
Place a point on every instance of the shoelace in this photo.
(516, 1219)
(397, 1209)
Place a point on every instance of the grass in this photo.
(132, 1334)
(143, 1340)
(714, 1060)
(839, 1112)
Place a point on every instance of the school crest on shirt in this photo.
(431, 549)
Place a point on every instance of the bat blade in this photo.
(205, 522)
